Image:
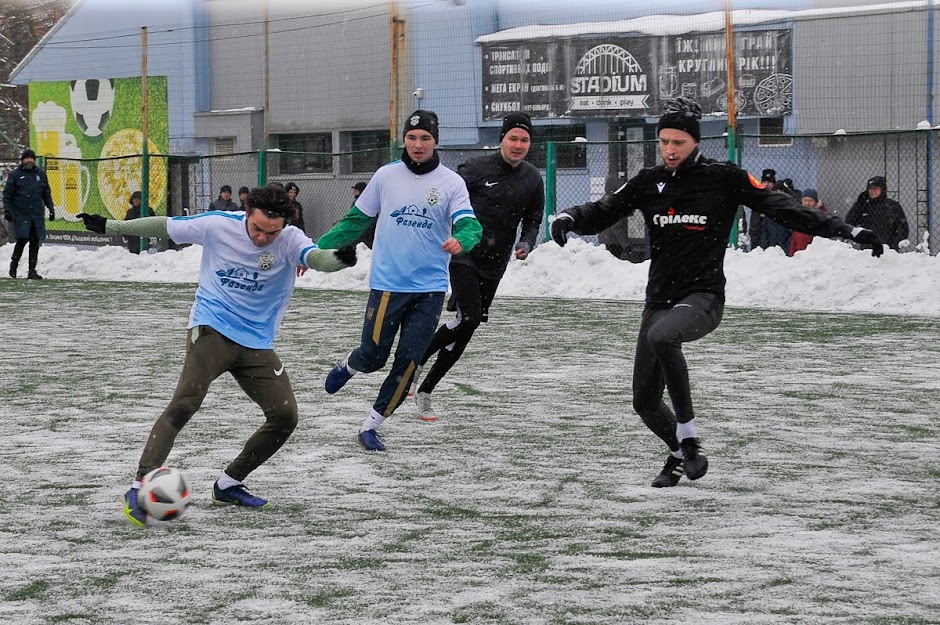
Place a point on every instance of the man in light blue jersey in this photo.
(424, 217)
(246, 279)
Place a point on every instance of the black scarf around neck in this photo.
(420, 168)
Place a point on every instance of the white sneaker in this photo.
(414, 382)
(425, 410)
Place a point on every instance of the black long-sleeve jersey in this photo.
(502, 196)
(689, 214)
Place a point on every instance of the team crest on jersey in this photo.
(434, 196)
(266, 261)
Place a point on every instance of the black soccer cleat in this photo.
(670, 474)
(694, 461)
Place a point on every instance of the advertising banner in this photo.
(83, 128)
(614, 76)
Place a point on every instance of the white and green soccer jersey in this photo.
(243, 289)
(415, 216)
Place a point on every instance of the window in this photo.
(770, 131)
(306, 153)
(225, 146)
(568, 155)
(369, 151)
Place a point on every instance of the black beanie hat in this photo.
(27, 153)
(682, 114)
(768, 175)
(422, 120)
(516, 120)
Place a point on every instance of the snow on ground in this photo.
(828, 276)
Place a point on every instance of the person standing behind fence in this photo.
(292, 192)
(246, 279)
(799, 241)
(242, 196)
(26, 197)
(505, 192)
(368, 235)
(133, 243)
(425, 217)
(224, 201)
(875, 211)
(689, 204)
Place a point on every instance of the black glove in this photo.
(8, 215)
(560, 229)
(869, 238)
(346, 255)
(95, 223)
(51, 214)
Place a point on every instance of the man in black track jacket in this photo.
(689, 204)
(505, 191)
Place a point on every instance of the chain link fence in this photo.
(836, 166)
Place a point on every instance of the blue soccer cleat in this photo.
(338, 376)
(132, 511)
(370, 441)
(236, 495)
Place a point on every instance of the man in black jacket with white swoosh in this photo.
(505, 191)
(689, 204)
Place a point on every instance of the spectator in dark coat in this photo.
(885, 217)
(764, 232)
(26, 197)
(292, 192)
(224, 201)
(368, 235)
(133, 243)
(242, 196)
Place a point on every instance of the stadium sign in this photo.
(623, 76)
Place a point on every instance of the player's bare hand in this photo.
(301, 270)
(522, 250)
(452, 246)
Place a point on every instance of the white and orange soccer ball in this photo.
(164, 494)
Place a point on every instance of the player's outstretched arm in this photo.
(143, 227)
(331, 260)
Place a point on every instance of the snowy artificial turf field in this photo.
(528, 502)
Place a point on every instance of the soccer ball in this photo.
(92, 102)
(164, 494)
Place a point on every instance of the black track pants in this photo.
(659, 363)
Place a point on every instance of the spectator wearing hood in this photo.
(800, 240)
(874, 211)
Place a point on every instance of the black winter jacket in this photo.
(689, 214)
(502, 196)
(883, 216)
(28, 196)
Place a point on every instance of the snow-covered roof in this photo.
(663, 25)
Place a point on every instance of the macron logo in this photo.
(660, 186)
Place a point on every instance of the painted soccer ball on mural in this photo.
(92, 102)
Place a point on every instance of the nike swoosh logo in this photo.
(279, 371)
(490, 184)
